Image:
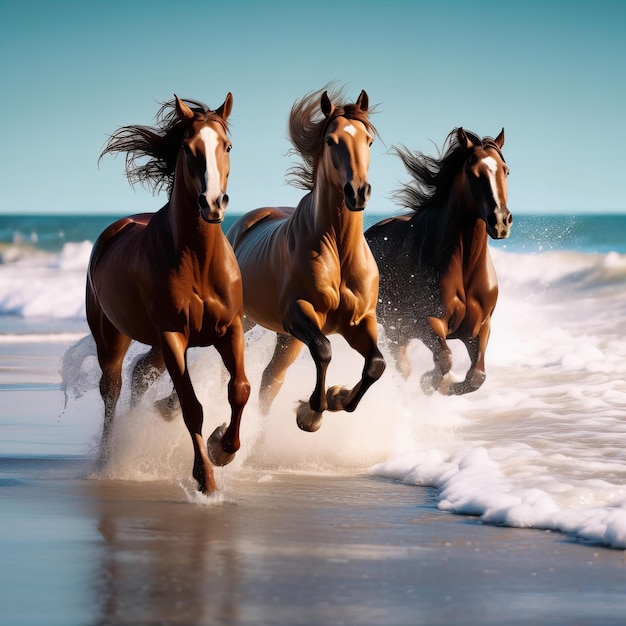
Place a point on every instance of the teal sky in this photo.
(552, 73)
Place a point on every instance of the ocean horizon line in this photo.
(590, 213)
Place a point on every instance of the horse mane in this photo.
(431, 177)
(307, 126)
(160, 144)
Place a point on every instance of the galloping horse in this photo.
(170, 279)
(308, 272)
(437, 280)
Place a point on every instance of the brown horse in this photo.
(170, 279)
(437, 280)
(308, 272)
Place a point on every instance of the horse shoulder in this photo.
(110, 233)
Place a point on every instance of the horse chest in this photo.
(468, 295)
(344, 287)
(207, 319)
(198, 304)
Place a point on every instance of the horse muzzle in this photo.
(499, 223)
(212, 212)
(356, 198)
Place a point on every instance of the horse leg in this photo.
(145, 371)
(286, 351)
(302, 326)
(363, 338)
(174, 347)
(111, 347)
(224, 441)
(476, 348)
(435, 341)
(400, 356)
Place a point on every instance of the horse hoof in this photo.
(215, 448)
(448, 386)
(426, 383)
(167, 407)
(336, 398)
(308, 419)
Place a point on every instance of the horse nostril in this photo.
(509, 221)
(348, 192)
(224, 202)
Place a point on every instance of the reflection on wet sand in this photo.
(164, 559)
(278, 549)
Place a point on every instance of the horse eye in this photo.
(329, 141)
(187, 149)
(229, 148)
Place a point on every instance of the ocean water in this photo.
(541, 445)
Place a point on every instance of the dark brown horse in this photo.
(308, 272)
(170, 279)
(437, 280)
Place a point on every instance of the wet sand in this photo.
(279, 549)
(274, 548)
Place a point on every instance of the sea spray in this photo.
(146, 447)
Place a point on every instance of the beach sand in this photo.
(273, 548)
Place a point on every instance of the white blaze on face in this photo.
(492, 168)
(212, 175)
(350, 129)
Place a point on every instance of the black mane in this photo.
(431, 177)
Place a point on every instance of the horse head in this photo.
(487, 173)
(346, 150)
(205, 150)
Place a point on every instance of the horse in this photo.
(170, 279)
(307, 271)
(437, 279)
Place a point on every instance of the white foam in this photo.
(45, 285)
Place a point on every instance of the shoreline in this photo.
(274, 547)
(282, 548)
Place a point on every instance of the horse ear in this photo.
(499, 140)
(363, 101)
(327, 106)
(184, 112)
(227, 107)
(464, 140)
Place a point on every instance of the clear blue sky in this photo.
(552, 73)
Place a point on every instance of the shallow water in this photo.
(541, 444)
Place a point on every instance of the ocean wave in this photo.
(38, 284)
(563, 268)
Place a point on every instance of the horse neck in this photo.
(451, 226)
(332, 218)
(471, 228)
(189, 231)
